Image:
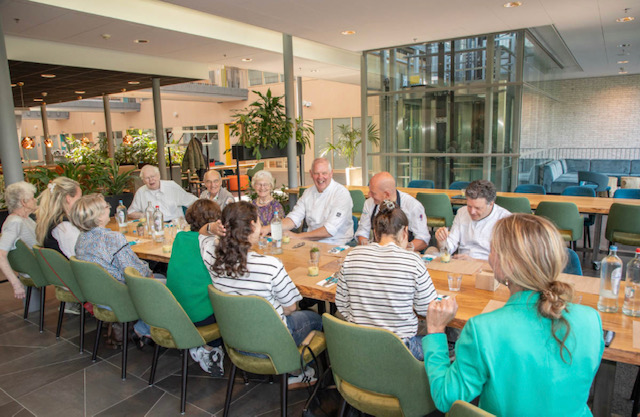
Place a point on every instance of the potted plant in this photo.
(263, 129)
(347, 146)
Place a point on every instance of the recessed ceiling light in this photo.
(48, 75)
(79, 97)
(624, 45)
(622, 72)
(247, 59)
(106, 36)
(79, 91)
(141, 41)
(626, 17)
(623, 62)
(13, 85)
(512, 4)
(314, 71)
(133, 82)
(348, 32)
(38, 99)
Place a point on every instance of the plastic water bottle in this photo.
(158, 225)
(121, 215)
(276, 233)
(631, 306)
(610, 275)
(149, 215)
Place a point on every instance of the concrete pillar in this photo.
(9, 141)
(48, 156)
(111, 150)
(157, 112)
(289, 103)
(300, 116)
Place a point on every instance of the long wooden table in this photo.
(471, 300)
(597, 206)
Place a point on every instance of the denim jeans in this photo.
(414, 344)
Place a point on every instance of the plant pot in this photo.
(113, 201)
(242, 153)
(354, 175)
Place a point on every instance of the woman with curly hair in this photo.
(536, 355)
(236, 269)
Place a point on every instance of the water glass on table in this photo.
(454, 280)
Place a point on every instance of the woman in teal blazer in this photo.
(535, 356)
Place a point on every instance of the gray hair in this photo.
(265, 176)
(85, 212)
(481, 189)
(154, 169)
(18, 192)
(318, 160)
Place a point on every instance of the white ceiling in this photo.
(221, 32)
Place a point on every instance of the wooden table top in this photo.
(471, 300)
(590, 205)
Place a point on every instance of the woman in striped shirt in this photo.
(385, 285)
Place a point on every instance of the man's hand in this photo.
(440, 313)
(442, 234)
(463, 256)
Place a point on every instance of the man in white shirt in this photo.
(326, 207)
(215, 192)
(168, 195)
(383, 187)
(472, 227)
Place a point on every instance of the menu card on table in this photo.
(458, 266)
(582, 284)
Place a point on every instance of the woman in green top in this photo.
(188, 279)
(535, 356)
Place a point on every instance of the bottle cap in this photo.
(120, 201)
(613, 247)
(637, 250)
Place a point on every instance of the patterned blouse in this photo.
(111, 251)
(265, 213)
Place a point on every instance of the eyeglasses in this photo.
(263, 185)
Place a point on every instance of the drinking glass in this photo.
(454, 281)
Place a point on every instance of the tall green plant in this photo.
(264, 124)
(350, 140)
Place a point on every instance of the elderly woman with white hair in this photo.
(21, 203)
(262, 182)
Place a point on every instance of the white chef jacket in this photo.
(170, 197)
(474, 237)
(331, 208)
(410, 206)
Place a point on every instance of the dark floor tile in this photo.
(136, 405)
(10, 409)
(140, 362)
(293, 409)
(263, 398)
(169, 405)
(11, 353)
(4, 398)
(27, 336)
(24, 413)
(10, 321)
(59, 351)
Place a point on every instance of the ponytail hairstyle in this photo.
(389, 220)
(231, 252)
(532, 255)
(51, 205)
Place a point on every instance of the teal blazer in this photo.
(510, 359)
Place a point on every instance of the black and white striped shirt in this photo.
(381, 286)
(266, 278)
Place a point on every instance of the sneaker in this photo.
(201, 355)
(196, 353)
(73, 308)
(217, 361)
(305, 379)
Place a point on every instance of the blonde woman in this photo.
(262, 182)
(53, 228)
(21, 203)
(538, 352)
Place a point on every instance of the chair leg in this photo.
(60, 316)
(82, 321)
(97, 342)
(284, 391)
(125, 349)
(154, 364)
(343, 408)
(27, 300)
(43, 293)
(183, 390)
(227, 400)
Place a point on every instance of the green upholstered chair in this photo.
(565, 216)
(623, 224)
(375, 372)
(102, 290)
(301, 191)
(358, 199)
(252, 171)
(23, 261)
(438, 209)
(57, 271)
(515, 204)
(170, 326)
(251, 324)
(464, 409)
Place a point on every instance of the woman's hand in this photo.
(18, 289)
(216, 228)
(440, 313)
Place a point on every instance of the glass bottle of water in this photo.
(121, 215)
(610, 275)
(631, 306)
(158, 225)
(149, 216)
(276, 233)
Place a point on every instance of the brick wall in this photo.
(599, 112)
